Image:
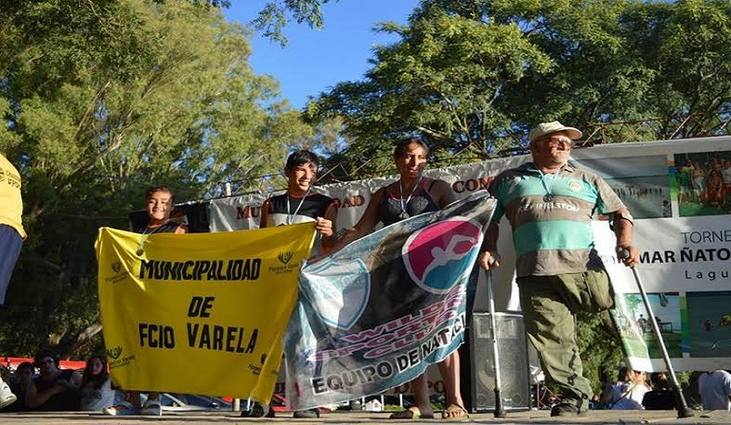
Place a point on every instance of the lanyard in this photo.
(404, 214)
(548, 197)
(290, 215)
(145, 235)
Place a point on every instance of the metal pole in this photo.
(236, 405)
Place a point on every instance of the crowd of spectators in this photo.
(637, 390)
(44, 386)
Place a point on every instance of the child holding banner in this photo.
(159, 203)
(411, 195)
(299, 205)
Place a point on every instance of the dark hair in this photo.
(96, 380)
(659, 381)
(46, 353)
(152, 190)
(622, 374)
(401, 146)
(301, 157)
(24, 365)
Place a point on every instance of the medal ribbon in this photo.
(291, 215)
(145, 235)
(404, 214)
(546, 186)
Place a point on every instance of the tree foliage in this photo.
(599, 348)
(102, 99)
(472, 76)
(276, 14)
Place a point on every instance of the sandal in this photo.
(121, 409)
(455, 411)
(410, 413)
(151, 408)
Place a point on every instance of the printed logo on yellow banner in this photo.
(199, 313)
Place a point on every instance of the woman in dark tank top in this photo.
(395, 208)
(410, 195)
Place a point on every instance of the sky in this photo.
(316, 60)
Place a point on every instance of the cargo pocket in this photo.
(600, 291)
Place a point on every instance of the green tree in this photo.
(100, 100)
(276, 14)
(440, 81)
(600, 348)
(625, 61)
(472, 77)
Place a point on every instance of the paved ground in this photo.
(530, 417)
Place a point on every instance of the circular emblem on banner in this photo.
(440, 255)
(340, 290)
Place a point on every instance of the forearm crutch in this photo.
(681, 405)
(499, 410)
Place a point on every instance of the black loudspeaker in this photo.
(513, 356)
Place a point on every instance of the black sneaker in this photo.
(567, 408)
(307, 414)
(258, 410)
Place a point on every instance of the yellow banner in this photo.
(199, 313)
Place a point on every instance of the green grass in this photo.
(692, 209)
(636, 348)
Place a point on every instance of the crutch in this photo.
(681, 405)
(499, 410)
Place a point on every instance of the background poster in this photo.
(683, 231)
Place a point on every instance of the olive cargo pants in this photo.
(549, 305)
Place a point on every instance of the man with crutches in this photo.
(550, 204)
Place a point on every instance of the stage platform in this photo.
(345, 417)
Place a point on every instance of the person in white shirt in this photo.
(96, 385)
(628, 394)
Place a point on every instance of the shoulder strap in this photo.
(431, 186)
(625, 394)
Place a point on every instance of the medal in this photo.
(403, 215)
(548, 197)
(144, 236)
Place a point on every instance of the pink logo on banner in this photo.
(440, 255)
